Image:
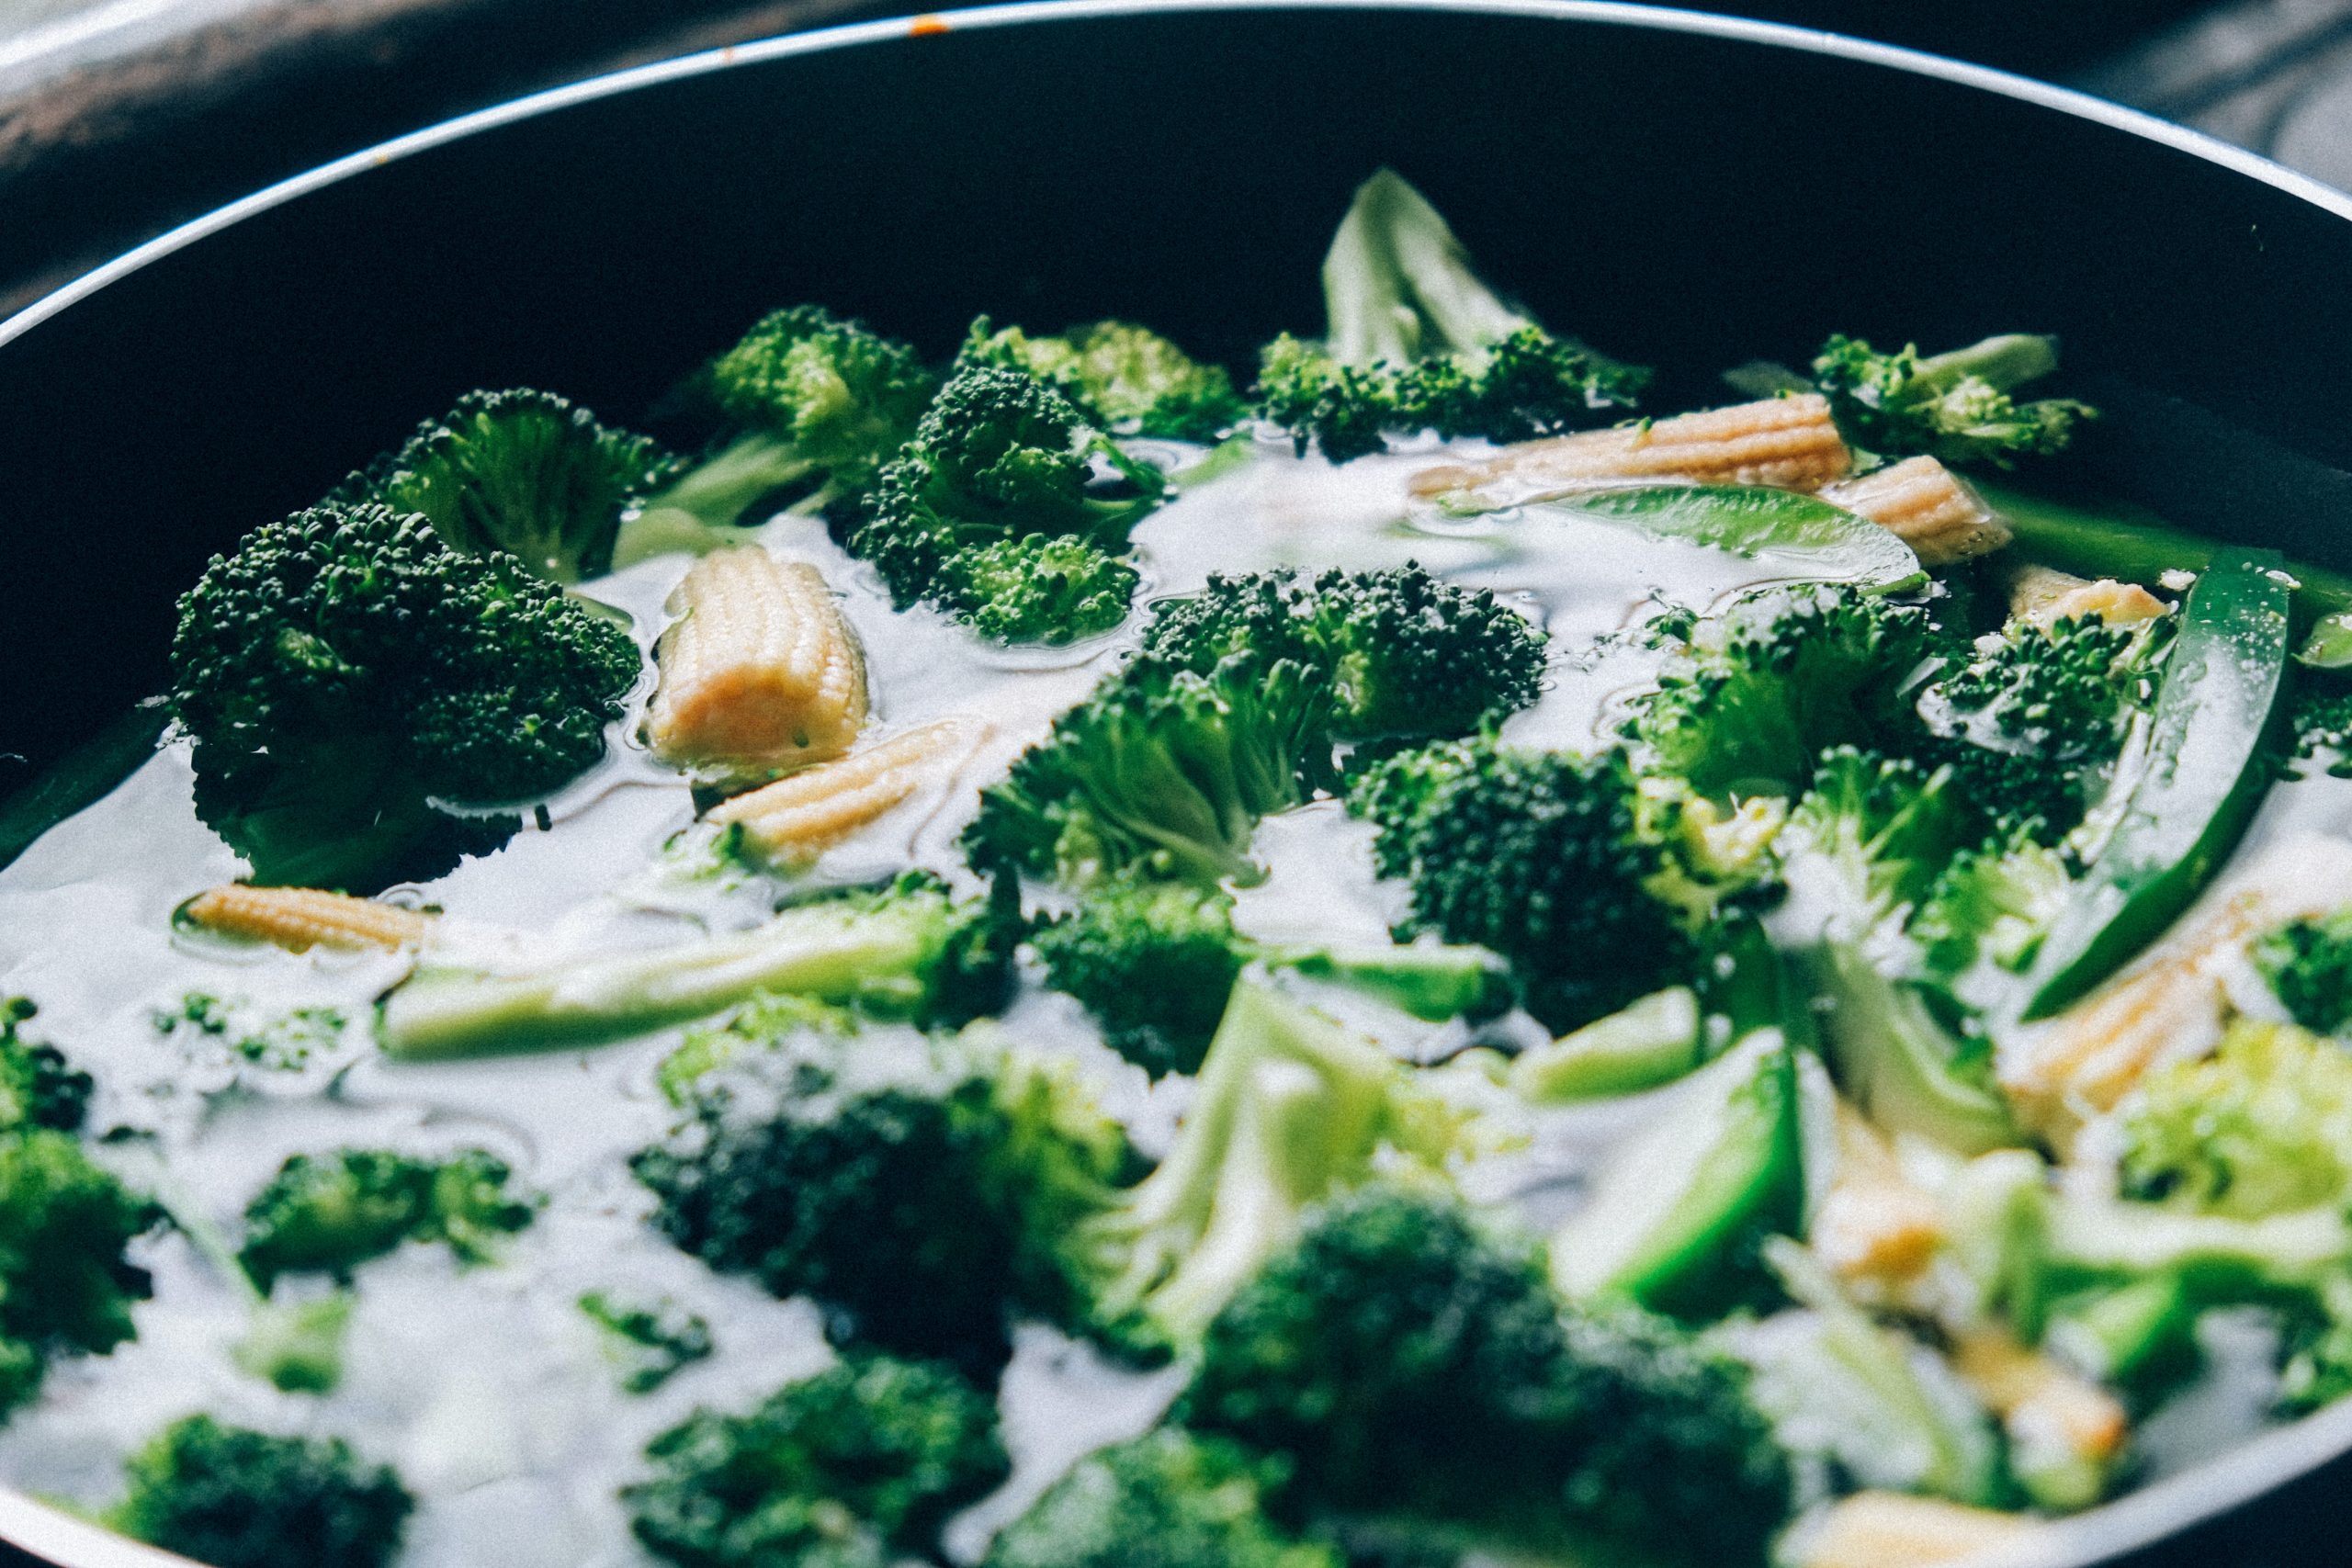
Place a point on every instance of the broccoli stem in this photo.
(2004, 362)
(1399, 285)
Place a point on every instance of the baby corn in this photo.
(1886, 1529)
(298, 919)
(1927, 506)
(1785, 443)
(795, 819)
(2065, 1431)
(2045, 597)
(1873, 1225)
(759, 671)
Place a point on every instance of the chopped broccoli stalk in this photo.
(1408, 1364)
(920, 1202)
(1893, 1057)
(278, 1041)
(1169, 1499)
(1126, 379)
(1651, 1042)
(2309, 965)
(245, 1499)
(650, 1341)
(1162, 772)
(1676, 1216)
(328, 1216)
(1416, 342)
(65, 1284)
(857, 1467)
(999, 457)
(38, 1086)
(521, 472)
(1955, 406)
(1404, 653)
(1290, 1109)
(1155, 961)
(2262, 1126)
(345, 676)
(908, 949)
(296, 1346)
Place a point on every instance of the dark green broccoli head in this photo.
(919, 1209)
(1162, 771)
(38, 1086)
(521, 472)
(1540, 857)
(845, 397)
(1048, 587)
(1955, 406)
(1153, 962)
(1128, 380)
(64, 1281)
(856, 1466)
(1165, 1500)
(344, 672)
(330, 1215)
(2309, 965)
(2318, 716)
(245, 1499)
(1342, 411)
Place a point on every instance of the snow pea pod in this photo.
(1799, 535)
(2203, 774)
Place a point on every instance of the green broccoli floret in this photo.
(2309, 965)
(653, 1341)
(767, 1020)
(2262, 1126)
(1540, 857)
(1166, 1500)
(65, 1284)
(857, 1467)
(38, 1086)
(2318, 716)
(1155, 961)
(1756, 692)
(1126, 379)
(279, 1042)
(907, 950)
(245, 1499)
(1407, 653)
(345, 674)
(1163, 772)
(919, 1201)
(1410, 1364)
(328, 1216)
(1867, 842)
(1954, 406)
(297, 1346)
(1416, 340)
(1991, 906)
(1290, 1109)
(999, 457)
(1037, 588)
(523, 472)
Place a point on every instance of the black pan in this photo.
(1688, 191)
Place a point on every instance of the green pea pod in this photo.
(1801, 534)
(2204, 774)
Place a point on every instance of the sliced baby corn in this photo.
(1874, 1227)
(2064, 1429)
(759, 671)
(792, 821)
(1887, 1529)
(1927, 506)
(2045, 597)
(298, 919)
(1785, 443)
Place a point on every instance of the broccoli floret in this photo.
(857, 1467)
(1406, 654)
(1954, 406)
(1166, 1500)
(1290, 1109)
(1160, 771)
(1758, 692)
(1416, 342)
(345, 673)
(1410, 1364)
(1867, 842)
(297, 1346)
(1036, 588)
(2318, 716)
(999, 457)
(523, 472)
(919, 1201)
(1125, 378)
(1155, 961)
(2261, 1127)
(2309, 965)
(328, 1216)
(1540, 857)
(245, 1499)
(1991, 905)
(767, 1020)
(653, 1341)
(65, 1284)
(279, 1043)
(38, 1086)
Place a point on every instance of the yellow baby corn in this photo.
(1886, 1529)
(1786, 443)
(2059, 1422)
(759, 671)
(298, 919)
(795, 819)
(2045, 597)
(1928, 507)
(1873, 1225)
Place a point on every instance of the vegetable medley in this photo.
(1059, 959)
